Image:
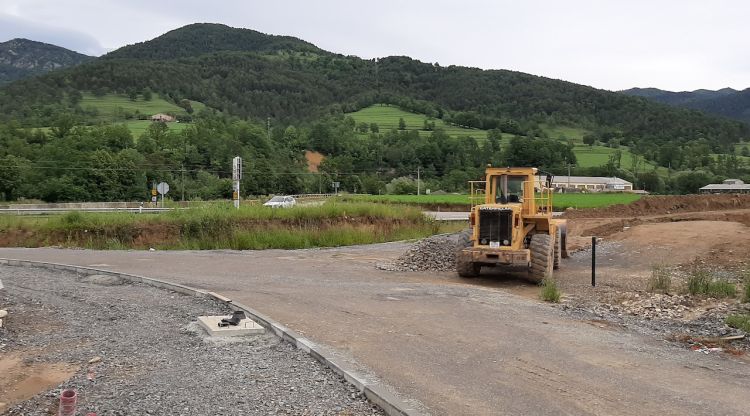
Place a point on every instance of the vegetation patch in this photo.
(560, 202)
(739, 321)
(660, 280)
(220, 226)
(700, 282)
(550, 292)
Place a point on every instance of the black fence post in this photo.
(593, 261)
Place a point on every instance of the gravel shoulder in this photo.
(151, 357)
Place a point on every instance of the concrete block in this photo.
(246, 327)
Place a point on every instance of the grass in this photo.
(219, 226)
(739, 321)
(387, 118)
(746, 291)
(660, 280)
(700, 282)
(559, 201)
(550, 292)
(112, 106)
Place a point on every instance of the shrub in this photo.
(661, 279)
(746, 281)
(700, 282)
(739, 321)
(550, 292)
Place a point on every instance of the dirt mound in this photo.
(668, 204)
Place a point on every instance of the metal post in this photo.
(237, 190)
(593, 261)
(417, 180)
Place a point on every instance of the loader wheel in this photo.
(542, 253)
(464, 266)
(563, 227)
(558, 249)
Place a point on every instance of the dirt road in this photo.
(459, 347)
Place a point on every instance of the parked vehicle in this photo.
(281, 202)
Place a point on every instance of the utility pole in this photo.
(182, 170)
(236, 177)
(568, 175)
(268, 127)
(418, 189)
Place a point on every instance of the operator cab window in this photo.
(509, 189)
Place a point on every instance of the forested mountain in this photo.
(202, 38)
(21, 58)
(307, 92)
(248, 74)
(725, 102)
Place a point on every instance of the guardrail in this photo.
(41, 211)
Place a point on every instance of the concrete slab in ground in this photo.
(246, 327)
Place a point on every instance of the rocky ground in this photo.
(695, 320)
(133, 349)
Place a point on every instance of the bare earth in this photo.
(485, 346)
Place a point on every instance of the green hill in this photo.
(387, 117)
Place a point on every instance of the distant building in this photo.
(162, 117)
(731, 186)
(591, 183)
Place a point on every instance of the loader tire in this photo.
(464, 266)
(558, 249)
(542, 253)
(563, 227)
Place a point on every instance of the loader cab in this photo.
(508, 189)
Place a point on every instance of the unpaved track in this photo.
(459, 347)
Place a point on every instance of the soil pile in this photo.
(667, 204)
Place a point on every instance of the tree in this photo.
(589, 139)
(147, 94)
(132, 94)
(745, 151)
(362, 127)
(401, 124)
(374, 127)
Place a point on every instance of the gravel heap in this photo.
(435, 253)
(138, 351)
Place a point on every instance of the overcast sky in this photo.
(669, 44)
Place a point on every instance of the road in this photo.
(458, 347)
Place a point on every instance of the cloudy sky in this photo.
(611, 44)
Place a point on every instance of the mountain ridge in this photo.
(725, 102)
(21, 58)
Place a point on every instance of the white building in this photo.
(591, 183)
(728, 186)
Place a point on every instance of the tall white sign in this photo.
(236, 177)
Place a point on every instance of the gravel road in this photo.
(154, 358)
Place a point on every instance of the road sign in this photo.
(153, 199)
(153, 192)
(162, 187)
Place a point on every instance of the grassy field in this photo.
(387, 118)
(111, 107)
(559, 201)
(219, 226)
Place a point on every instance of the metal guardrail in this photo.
(41, 211)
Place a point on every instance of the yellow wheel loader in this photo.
(512, 225)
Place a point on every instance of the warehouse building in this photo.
(729, 186)
(591, 183)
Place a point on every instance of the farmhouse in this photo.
(162, 117)
(591, 183)
(734, 186)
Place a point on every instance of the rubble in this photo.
(436, 253)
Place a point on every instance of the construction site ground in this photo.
(489, 346)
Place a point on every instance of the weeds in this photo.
(220, 226)
(739, 321)
(660, 280)
(700, 282)
(746, 282)
(550, 292)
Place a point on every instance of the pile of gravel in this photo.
(152, 358)
(435, 253)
